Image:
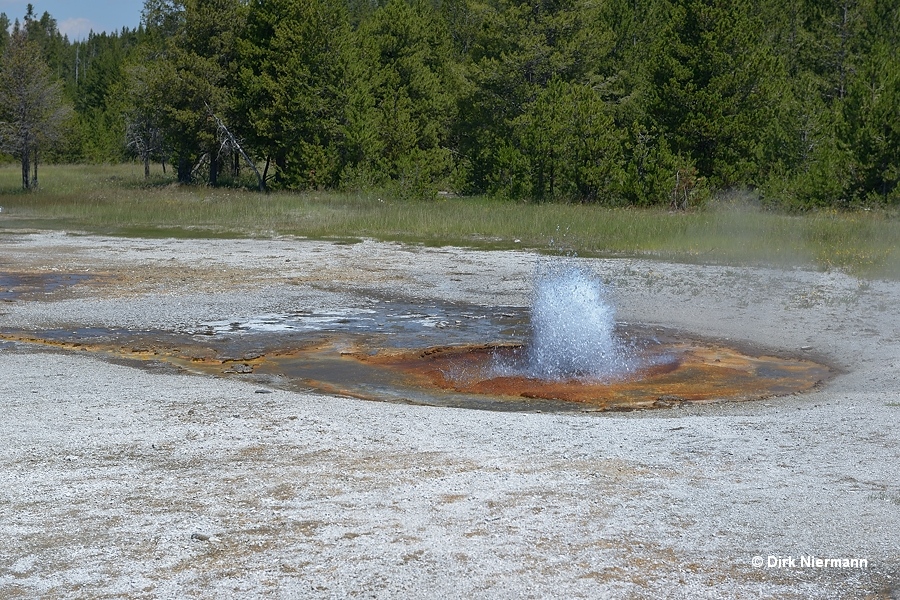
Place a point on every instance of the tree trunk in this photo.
(34, 180)
(184, 170)
(147, 166)
(26, 168)
(213, 170)
(280, 167)
(228, 139)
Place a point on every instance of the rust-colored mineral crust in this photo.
(676, 373)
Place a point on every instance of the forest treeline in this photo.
(619, 102)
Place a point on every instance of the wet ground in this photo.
(22, 286)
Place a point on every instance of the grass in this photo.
(116, 200)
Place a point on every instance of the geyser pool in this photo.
(568, 355)
(576, 355)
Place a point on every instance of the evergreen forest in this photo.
(613, 102)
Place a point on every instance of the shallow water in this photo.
(452, 354)
(395, 324)
(14, 286)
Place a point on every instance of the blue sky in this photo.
(76, 18)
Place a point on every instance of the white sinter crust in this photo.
(107, 470)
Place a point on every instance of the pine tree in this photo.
(570, 149)
(293, 88)
(520, 47)
(409, 63)
(190, 54)
(870, 111)
(707, 88)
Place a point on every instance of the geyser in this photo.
(573, 327)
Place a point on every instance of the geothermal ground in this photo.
(126, 475)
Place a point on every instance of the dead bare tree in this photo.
(204, 160)
(228, 142)
(683, 194)
(143, 138)
(144, 134)
(32, 111)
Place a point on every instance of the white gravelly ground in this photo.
(107, 470)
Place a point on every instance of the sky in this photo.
(77, 18)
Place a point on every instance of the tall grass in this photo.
(116, 200)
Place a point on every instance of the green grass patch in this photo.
(117, 200)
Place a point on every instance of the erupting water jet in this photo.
(573, 332)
